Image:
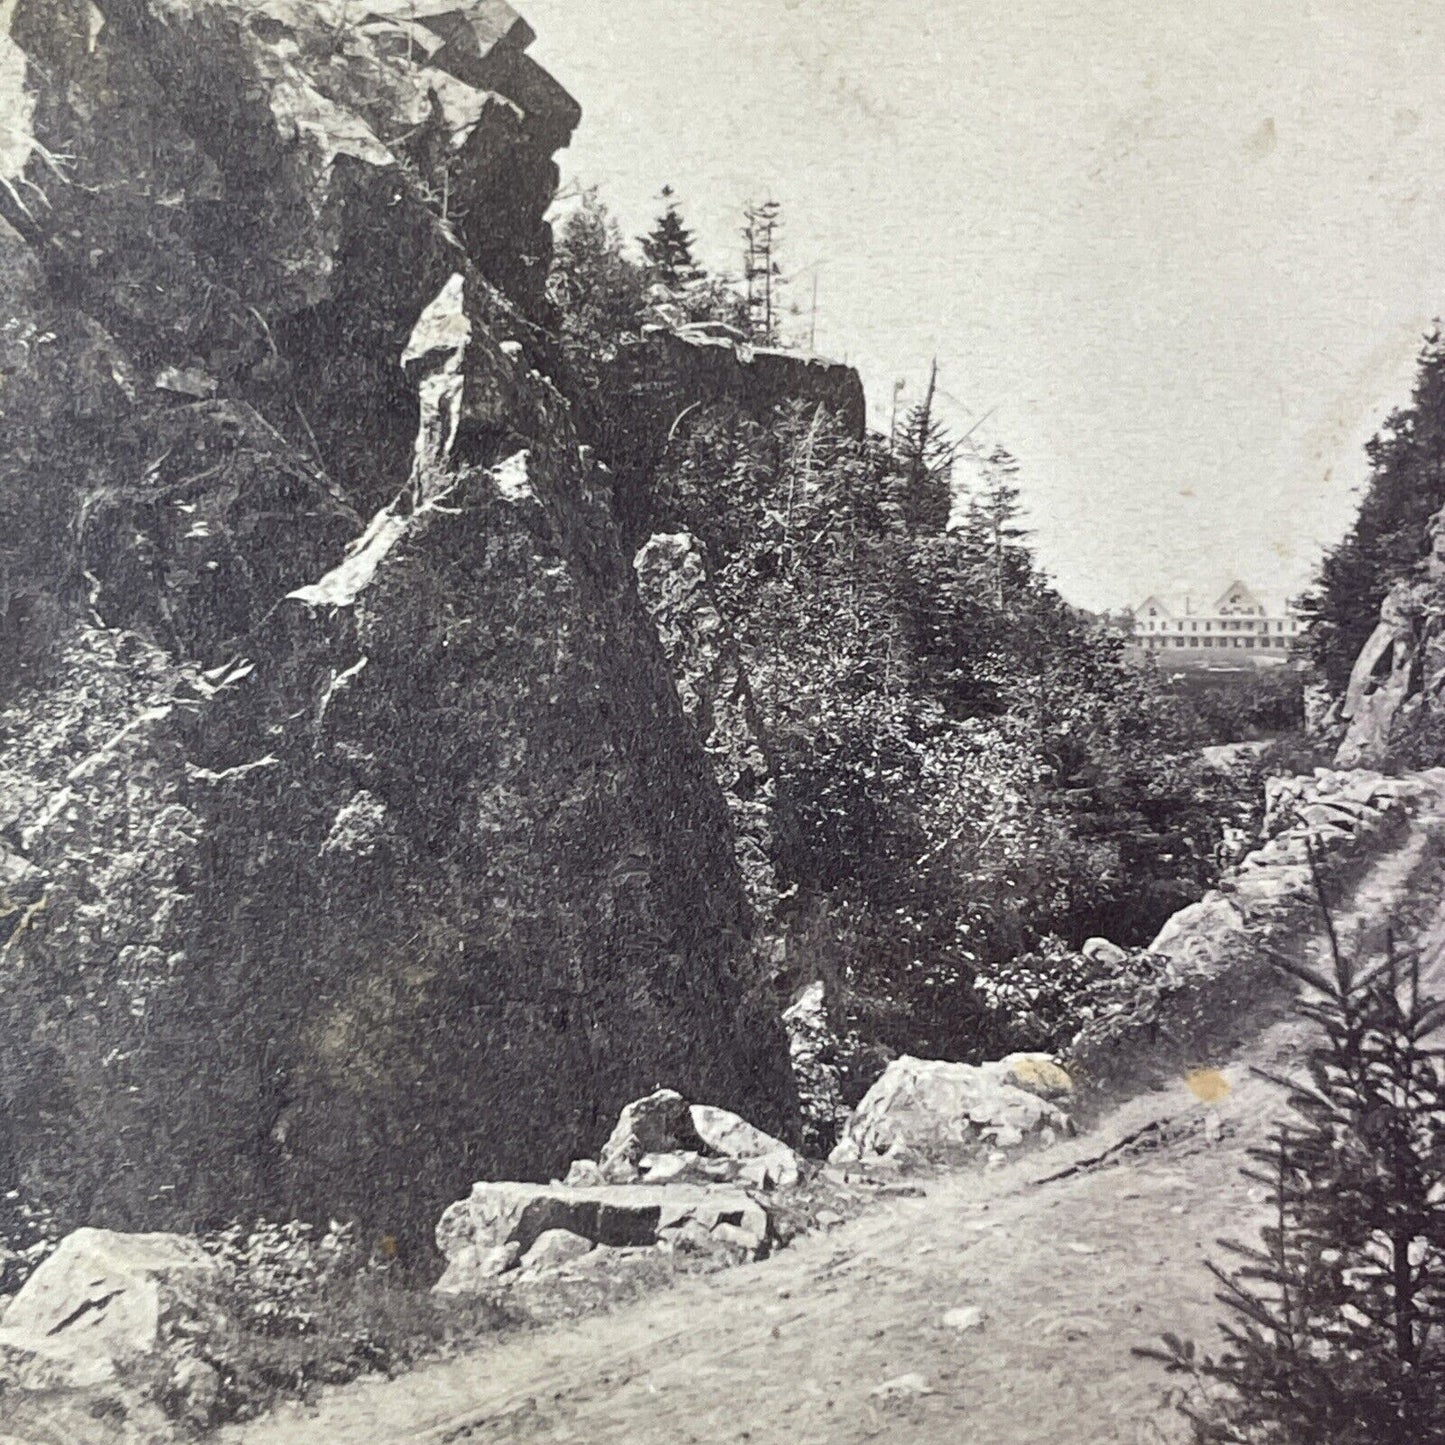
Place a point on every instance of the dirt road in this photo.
(1069, 1275)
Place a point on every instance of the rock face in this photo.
(356, 844)
(104, 1297)
(1399, 675)
(665, 381)
(932, 1111)
(712, 361)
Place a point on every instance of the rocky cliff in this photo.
(1397, 682)
(353, 842)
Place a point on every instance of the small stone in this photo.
(554, 1248)
(195, 1387)
(736, 1238)
(829, 1219)
(902, 1387)
(666, 1168)
(584, 1174)
(1077, 1248)
(964, 1317)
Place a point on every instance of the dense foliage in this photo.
(969, 766)
(1335, 1323)
(1390, 534)
(967, 769)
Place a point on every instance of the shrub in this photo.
(279, 1272)
(28, 1237)
(1335, 1323)
(1043, 998)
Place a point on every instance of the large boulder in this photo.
(103, 1298)
(933, 1111)
(496, 1216)
(663, 1138)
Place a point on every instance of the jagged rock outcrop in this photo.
(668, 380)
(710, 362)
(1399, 676)
(355, 843)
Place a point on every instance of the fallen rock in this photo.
(733, 1137)
(472, 1268)
(1103, 950)
(584, 1174)
(668, 1168)
(555, 1248)
(657, 1124)
(933, 1111)
(963, 1317)
(504, 1214)
(103, 1297)
(663, 1139)
(1035, 1073)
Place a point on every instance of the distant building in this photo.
(1237, 630)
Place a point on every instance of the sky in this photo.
(1178, 258)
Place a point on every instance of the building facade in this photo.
(1236, 630)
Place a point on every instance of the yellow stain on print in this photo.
(1209, 1086)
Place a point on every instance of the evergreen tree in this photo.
(924, 457)
(1335, 1334)
(762, 276)
(668, 248)
(594, 285)
(991, 528)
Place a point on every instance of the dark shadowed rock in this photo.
(376, 851)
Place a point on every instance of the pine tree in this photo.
(924, 457)
(1335, 1335)
(991, 530)
(762, 276)
(668, 248)
(1390, 535)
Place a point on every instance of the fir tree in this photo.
(1335, 1336)
(668, 248)
(924, 457)
(762, 276)
(991, 530)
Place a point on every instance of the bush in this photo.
(359, 1323)
(28, 1237)
(279, 1273)
(299, 1309)
(1043, 998)
(1335, 1329)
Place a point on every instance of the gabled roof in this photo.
(1153, 600)
(1237, 595)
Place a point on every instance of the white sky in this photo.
(1184, 252)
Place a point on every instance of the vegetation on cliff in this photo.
(962, 768)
